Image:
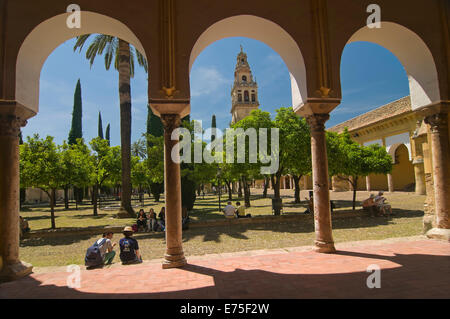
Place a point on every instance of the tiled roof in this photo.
(384, 112)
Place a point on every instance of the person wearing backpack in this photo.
(129, 248)
(101, 252)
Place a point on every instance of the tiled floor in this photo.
(409, 269)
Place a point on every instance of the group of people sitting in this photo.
(377, 205)
(102, 252)
(235, 212)
(151, 222)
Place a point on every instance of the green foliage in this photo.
(76, 131)
(110, 45)
(347, 160)
(139, 148)
(106, 162)
(76, 164)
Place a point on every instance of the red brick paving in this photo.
(409, 269)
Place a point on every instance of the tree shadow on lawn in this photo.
(237, 231)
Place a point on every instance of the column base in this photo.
(15, 271)
(174, 261)
(325, 248)
(439, 233)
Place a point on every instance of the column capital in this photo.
(10, 125)
(13, 116)
(438, 122)
(317, 121)
(170, 121)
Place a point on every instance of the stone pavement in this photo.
(410, 268)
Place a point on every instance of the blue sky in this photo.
(371, 76)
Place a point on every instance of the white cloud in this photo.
(208, 81)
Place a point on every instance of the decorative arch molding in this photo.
(267, 32)
(46, 37)
(414, 55)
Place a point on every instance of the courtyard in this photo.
(69, 248)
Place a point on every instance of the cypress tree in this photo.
(107, 136)
(154, 124)
(100, 125)
(213, 128)
(155, 128)
(76, 131)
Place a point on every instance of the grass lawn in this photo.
(221, 239)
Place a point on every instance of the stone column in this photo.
(368, 188)
(322, 213)
(441, 172)
(419, 175)
(174, 256)
(10, 264)
(390, 183)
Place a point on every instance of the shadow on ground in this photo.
(416, 276)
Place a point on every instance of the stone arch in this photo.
(414, 55)
(402, 169)
(266, 31)
(38, 45)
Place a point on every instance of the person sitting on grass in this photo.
(240, 211)
(24, 227)
(107, 249)
(142, 220)
(229, 210)
(162, 219)
(129, 248)
(380, 202)
(152, 223)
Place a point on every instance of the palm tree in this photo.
(123, 55)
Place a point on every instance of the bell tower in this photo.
(244, 94)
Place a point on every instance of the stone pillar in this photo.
(390, 183)
(10, 264)
(174, 256)
(438, 123)
(419, 175)
(368, 188)
(322, 213)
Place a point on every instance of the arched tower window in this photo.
(244, 78)
(246, 99)
(239, 97)
(253, 97)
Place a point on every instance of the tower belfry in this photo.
(244, 93)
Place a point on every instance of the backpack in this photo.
(93, 255)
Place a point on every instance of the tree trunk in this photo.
(297, 188)
(125, 125)
(94, 198)
(266, 186)
(276, 189)
(230, 194)
(246, 191)
(355, 186)
(66, 198)
(240, 189)
(52, 207)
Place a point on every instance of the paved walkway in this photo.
(410, 268)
